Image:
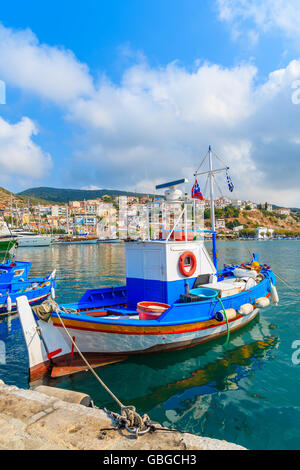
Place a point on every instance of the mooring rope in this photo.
(88, 364)
(129, 418)
(287, 285)
(227, 336)
(279, 277)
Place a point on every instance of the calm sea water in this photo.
(247, 392)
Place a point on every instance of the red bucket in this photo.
(151, 310)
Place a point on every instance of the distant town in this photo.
(125, 217)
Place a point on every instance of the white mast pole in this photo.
(28, 214)
(212, 208)
(39, 220)
(67, 219)
(211, 184)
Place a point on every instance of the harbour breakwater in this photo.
(33, 420)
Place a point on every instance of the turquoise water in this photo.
(248, 393)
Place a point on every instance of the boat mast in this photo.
(84, 219)
(28, 214)
(67, 210)
(11, 211)
(39, 220)
(211, 174)
(212, 207)
(211, 184)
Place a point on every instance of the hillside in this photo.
(251, 219)
(270, 219)
(19, 200)
(59, 195)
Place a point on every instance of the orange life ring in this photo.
(182, 263)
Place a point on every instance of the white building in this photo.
(264, 233)
(219, 224)
(237, 203)
(58, 211)
(238, 228)
(284, 211)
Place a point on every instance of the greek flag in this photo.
(229, 182)
(196, 193)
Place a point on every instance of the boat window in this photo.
(18, 272)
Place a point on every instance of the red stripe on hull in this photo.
(66, 365)
(164, 332)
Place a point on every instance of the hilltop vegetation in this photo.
(58, 195)
(7, 196)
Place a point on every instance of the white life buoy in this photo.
(274, 294)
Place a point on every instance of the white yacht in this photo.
(29, 239)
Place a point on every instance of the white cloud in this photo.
(158, 122)
(50, 72)
(265, 15)
(20, 158)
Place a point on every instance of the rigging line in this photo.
(205, 188)
(220, 159)
(217, 184)
(202, 162)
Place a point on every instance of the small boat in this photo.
(14, 281)
(77, 239)
(109, 240)
(175, 296)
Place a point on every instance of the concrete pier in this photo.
(33, 420)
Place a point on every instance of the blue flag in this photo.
(229, 182)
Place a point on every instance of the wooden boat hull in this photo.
(101, 344)
(162, 343)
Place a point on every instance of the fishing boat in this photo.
(175, 295)
(15, 281)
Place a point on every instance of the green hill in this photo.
(6, 197)
(59, 195)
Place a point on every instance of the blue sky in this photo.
(124, 94)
